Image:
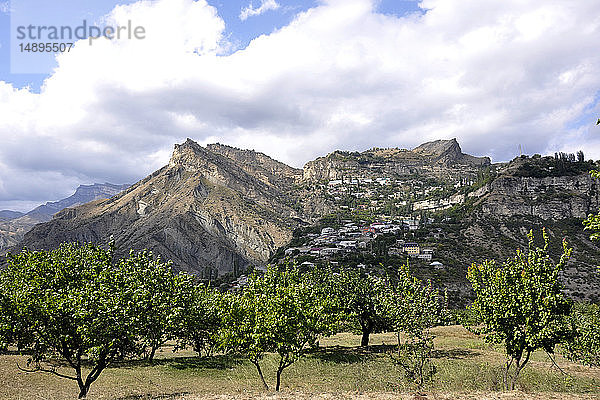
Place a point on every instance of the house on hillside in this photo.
(426, 254)
(394, 251)
(327, 231)
(412, 249)
(329, 251)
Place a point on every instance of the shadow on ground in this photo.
(455, 354)
(349, 355)
(219, 362)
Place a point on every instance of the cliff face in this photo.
(259, 165)
(548, 198)
(13, 230)
(441, 158)
(206, 210)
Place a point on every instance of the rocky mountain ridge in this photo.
(440, 158)
(14, 228)
(206, 211)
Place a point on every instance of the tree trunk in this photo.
(83, 391)
(366, 331)
(364, 341)
(151, 355)
(262, 378)
(278, 380)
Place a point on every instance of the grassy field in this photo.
(467, 369)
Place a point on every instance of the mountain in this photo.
(13, 229)
(7, 215)
(438, 159)
(211, 210)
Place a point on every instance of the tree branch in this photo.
(556, 365)
(39, 368)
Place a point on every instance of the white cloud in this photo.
(265, 5)
(493, 74)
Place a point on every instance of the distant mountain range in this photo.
(7, 215)
(13, 224)
(217, 209)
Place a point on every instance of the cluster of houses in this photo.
(365, 188)
(351, 238)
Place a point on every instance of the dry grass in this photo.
(467, 369)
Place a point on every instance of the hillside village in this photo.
(378, 217)
(435, 206)
(381, 220)
(351, 238)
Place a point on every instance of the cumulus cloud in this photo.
(340, 75)
(265, 5)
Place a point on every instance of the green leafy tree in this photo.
(159, 296)
(278, 312)
(6, 324)
(585, 346)
(521, 304)
(197, 323)
(72, 303)
(361, 298)
(414, 308)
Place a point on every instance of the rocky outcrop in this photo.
(448, 152)
(441, 158)
(548, 198)
(259, 165)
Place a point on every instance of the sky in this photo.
(293, 79)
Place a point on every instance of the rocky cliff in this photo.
(536, 187)
(441, 158)
(549, 198)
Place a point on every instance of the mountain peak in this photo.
(188, 154)
(438, 148)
